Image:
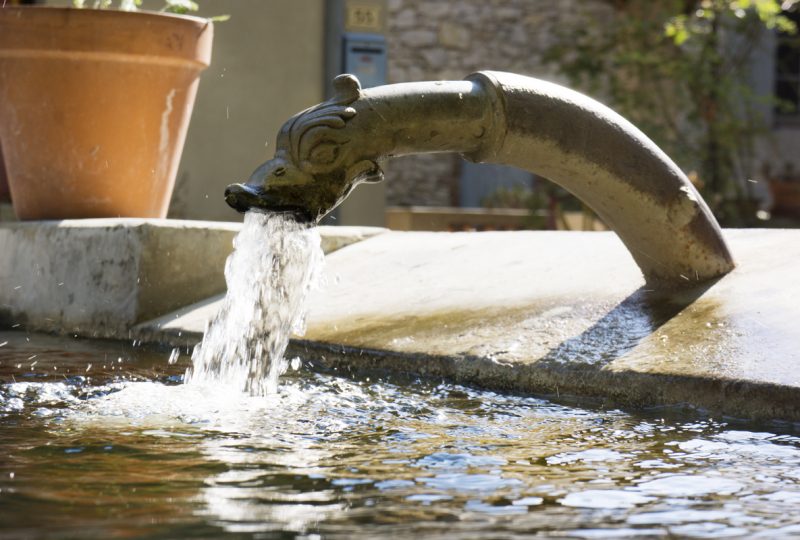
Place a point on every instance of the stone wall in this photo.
(448, 39)
(438, 39)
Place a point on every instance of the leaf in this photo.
(676, 29)
(129, 5)
(78, 3)
(180, 7)
(219, 18)
(786, 26)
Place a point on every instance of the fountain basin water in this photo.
(107, 444)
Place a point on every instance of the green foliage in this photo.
(180, 7)
(519, 197)
(545, 203)
(679, 70)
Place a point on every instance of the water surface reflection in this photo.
(131, 452)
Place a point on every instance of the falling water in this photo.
(275, 262)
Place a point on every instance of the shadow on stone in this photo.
(624, 327)
(578, 367)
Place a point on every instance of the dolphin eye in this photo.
(325, 153)
(280, 171)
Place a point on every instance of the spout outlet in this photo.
(241, 197)
(244, 198)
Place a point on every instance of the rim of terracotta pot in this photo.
(170, 37)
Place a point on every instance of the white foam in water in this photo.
(275, 263)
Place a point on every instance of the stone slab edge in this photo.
(731, 398)
(762, 284)
(734, 398)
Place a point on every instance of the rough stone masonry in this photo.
(435, 40)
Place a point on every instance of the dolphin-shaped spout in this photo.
(325, 151)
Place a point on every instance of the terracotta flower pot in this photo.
(94, 108)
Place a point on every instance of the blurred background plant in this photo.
(681, 71)
(180, 7)
(547, 204)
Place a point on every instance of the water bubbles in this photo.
(528, 501)
(604, 499)
(469, 482)
(594, 455)
(690, 486)
(173, 356)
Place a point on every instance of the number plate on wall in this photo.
(364, 17)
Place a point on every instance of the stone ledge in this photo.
(555, 313)
(100, 277)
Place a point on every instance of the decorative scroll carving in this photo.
(314, 143)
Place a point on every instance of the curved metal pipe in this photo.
(549, 130)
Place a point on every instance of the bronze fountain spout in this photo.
(634, 187)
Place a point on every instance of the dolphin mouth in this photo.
(240, 197)
(244, 198)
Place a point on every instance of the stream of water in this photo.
(275, 263)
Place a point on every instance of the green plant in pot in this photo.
(95, 106)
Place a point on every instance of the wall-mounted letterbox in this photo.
(364, 55)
